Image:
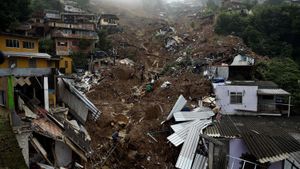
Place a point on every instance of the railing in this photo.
(244, 162)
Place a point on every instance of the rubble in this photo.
(85, 82)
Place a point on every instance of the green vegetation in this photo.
(38, 5)
(84, 44)
(46, 45)
(79, 59)
(271, 30)
(104, 43)
(11, 155)
(274, 31)
(82, 3)
(13, 12)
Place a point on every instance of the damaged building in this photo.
(47, 133)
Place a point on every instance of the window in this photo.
(236, 97)
(28, 45)
(12, 43)
(62, 43)
(32, 63)
(2, 98)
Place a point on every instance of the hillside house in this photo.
(25, 70)
(252, 98)
(108, 21)
(255, 142)
(241, 68)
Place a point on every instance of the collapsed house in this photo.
(188, 133)
(48, 117)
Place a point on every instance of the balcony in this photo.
(60, 34)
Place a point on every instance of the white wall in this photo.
(72, 101)
(249, 98)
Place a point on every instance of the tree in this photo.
(13, 12)
(228, 23)
(284, 72)
(79, 59)
(83, 3)
(271, 30)
(84, 44)
(47, 46)
(104, 43)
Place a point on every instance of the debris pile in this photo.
(85, 82)
(188, 133)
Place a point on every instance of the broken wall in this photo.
(22, 139)
(72, 101)
(63, 154)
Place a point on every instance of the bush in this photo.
(271, 30)
(284, 72)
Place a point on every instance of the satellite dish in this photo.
(1, 57)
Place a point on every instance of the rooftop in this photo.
(268, 138)
(260, 84)
(17, 35)
(27, 54)
(109, 16)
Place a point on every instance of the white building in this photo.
(252, 98)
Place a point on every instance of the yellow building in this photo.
(25, 70)
(65, 64)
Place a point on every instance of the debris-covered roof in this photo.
(188, 133)
(47, 128)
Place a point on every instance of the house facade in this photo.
(23, 66)
(252, 98)
(108, 22)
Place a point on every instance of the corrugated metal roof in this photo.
(180, 103)
(272, 92)
(267, 148)
(179, 137)
(178, 127)
(224, 128)
(200, 162)
(295, 158)
(187, 153)
(27, 54)
(187, 116)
